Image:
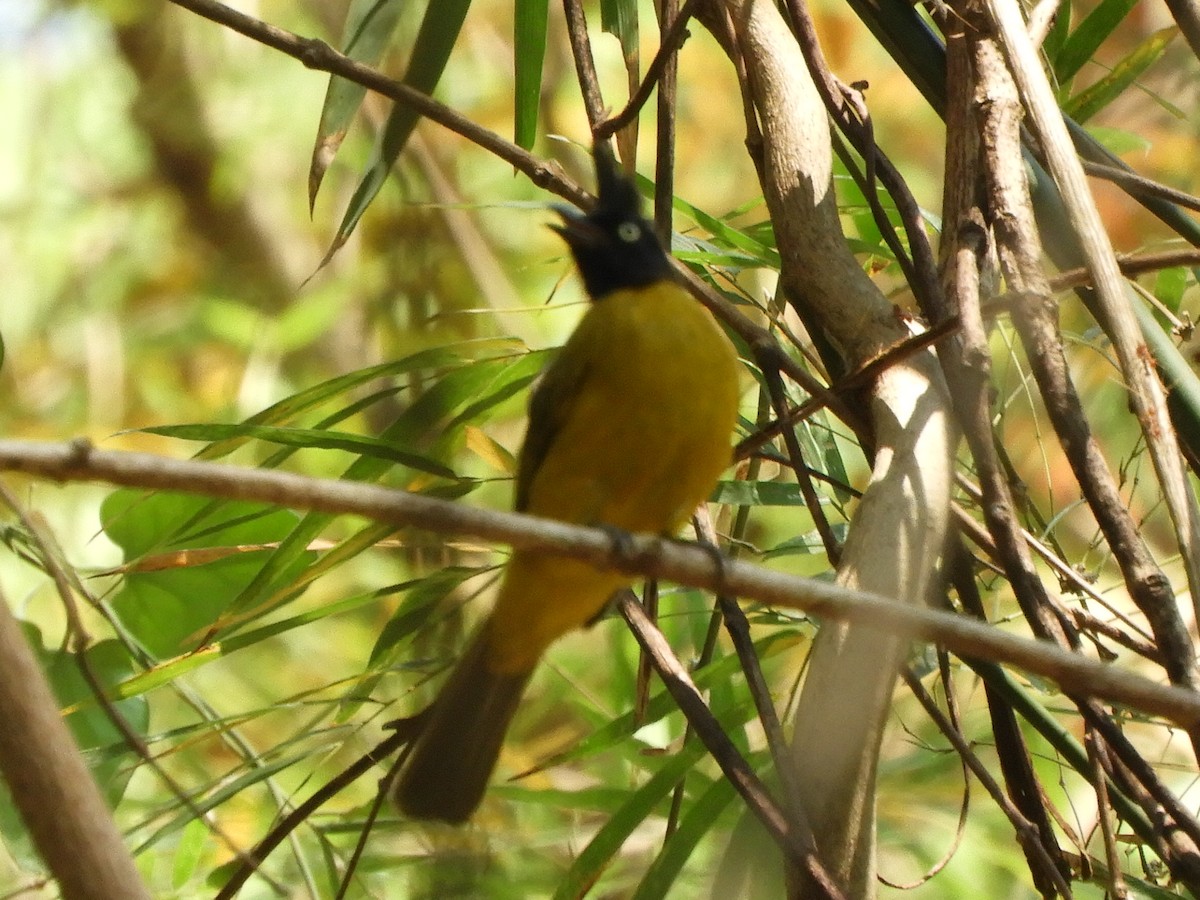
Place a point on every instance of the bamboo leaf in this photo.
(307, 438)
(599, 852)
(370, 25)
(1087, 103)
(699, 819)
(1086, 39)
(439, 32)
(529, 54)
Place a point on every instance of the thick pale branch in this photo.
(898, 530)
(648, 555)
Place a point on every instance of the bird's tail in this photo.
(449, 768)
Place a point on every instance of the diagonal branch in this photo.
(1145, 388)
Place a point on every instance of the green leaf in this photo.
(434, 358)
(439, 31)
(1169, 286)
(141, 523)
(370, 25)
(620, 18)
(428, 416)
(599, 852)
(89, 723)
(758, 493)
(517, 378)
(617, 730)
(188, 853)
(423, 594)
(1118, 141)
(764, 255)
(307, 438)
(698, 819)
(1060, 30)
(529, 54)
(170, 670)
(1093, 31)
(163, 606)
(1087, 103)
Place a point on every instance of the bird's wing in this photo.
(549, 409)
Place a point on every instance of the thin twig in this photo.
(1116, 884)
(1131, 266)
(585, 66)
(1012, 751)
(795, 454)
(1139, 185)
(671, 22)
(663, 60)
(1027, 835)
(795, 843)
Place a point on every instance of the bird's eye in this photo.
(629, 232)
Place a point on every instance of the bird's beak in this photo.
(576, 228)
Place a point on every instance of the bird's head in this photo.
(614, 246)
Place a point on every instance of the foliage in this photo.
(168, 293)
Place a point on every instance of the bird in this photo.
(629, 429)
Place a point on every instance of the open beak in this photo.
(576, 228)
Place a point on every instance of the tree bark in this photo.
(53, 789)
(897, 533)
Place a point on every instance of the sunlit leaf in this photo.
(439, 31)
(1085, 40)
(370, 25)
(1087, 103)
(529, 53)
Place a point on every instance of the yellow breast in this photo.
(647, 431)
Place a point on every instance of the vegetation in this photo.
(258, 252)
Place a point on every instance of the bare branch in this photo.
(645, 554)
(1145, 388)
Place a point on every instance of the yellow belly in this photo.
(647, 433)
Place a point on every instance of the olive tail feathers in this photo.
(452, 761)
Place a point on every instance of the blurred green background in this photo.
(161, 267)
